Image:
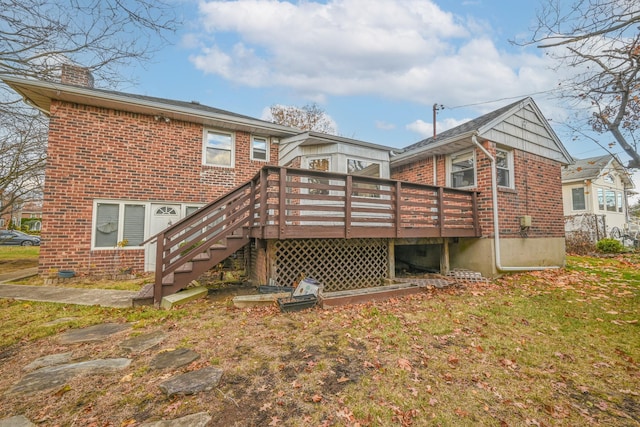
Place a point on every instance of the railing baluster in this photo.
(281, 206)
(347, 206)
(398, 210)
(441, 209)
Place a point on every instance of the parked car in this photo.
(18, 238)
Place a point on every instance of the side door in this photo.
(162, 216)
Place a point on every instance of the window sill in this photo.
(507, 190)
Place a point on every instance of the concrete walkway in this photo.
(101, 297)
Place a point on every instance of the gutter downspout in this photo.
(496, 223)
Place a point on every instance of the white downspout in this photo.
(496, 223)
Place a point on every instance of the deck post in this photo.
(282, 217)
(444, 256)
(398, 212)
(391, 253)
(157, 288)
(441, 209)
(264, 179)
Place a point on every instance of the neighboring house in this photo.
(20, 212)
(136, 181)
(528, 159)
(596, 186)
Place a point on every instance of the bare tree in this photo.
(36, 38)
(22, 161)
(309, 117)
(600, 41)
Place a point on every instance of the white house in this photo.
(596, 186)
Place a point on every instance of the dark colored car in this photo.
(18, 238)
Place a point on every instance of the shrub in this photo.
(609, 246)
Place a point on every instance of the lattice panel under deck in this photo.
(338, 264)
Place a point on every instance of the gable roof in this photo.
(593, 167)
(519, 125)
(39, 94)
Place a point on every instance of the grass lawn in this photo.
(559, 347)
(13, 258)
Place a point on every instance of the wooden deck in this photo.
(285, 203)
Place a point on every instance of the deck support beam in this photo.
(391, 253)
(444, 257)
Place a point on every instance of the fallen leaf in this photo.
(265, 407)
(275, 421)
(343, 379)
(404, 364)
(316, 398)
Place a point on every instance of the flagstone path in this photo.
(55, 370)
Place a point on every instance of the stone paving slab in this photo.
(174, 358)
(51, 360)
(95, 333)
(56, 376)
(201, 419)
(192, 382)
(101, 297)
(143, 342)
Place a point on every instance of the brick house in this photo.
(528, 158)
(133, 181)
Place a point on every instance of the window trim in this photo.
(205, 141)
(184, 207)
(120, 232)
(267, 148)
(450, 167)
(509, 168)
(584, 200)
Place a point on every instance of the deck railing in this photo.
(296, 203)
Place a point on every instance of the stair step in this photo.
(219, 246)
(186, 268)
(168, 279)
(202, 256)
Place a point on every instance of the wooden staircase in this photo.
(199, 242)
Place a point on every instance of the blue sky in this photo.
(375, 66)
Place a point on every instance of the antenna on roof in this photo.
(435, 110)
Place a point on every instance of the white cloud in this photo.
(410, 50)
(425, 130)
(381, 124)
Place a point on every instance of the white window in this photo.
(577, 199)
(462, 170)
(320, 164)
(619, 202)
(218, 148)
(611, 200)
(259, 148)
(118, 224)
(600, 199)
(504, 168)
(364, 168)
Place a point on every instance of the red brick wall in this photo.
(538, 192)
(98, 153)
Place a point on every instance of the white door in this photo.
(162, 216)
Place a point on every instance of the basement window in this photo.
(116, 223)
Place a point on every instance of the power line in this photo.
(501, 99)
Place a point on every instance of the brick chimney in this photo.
(76, 75)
